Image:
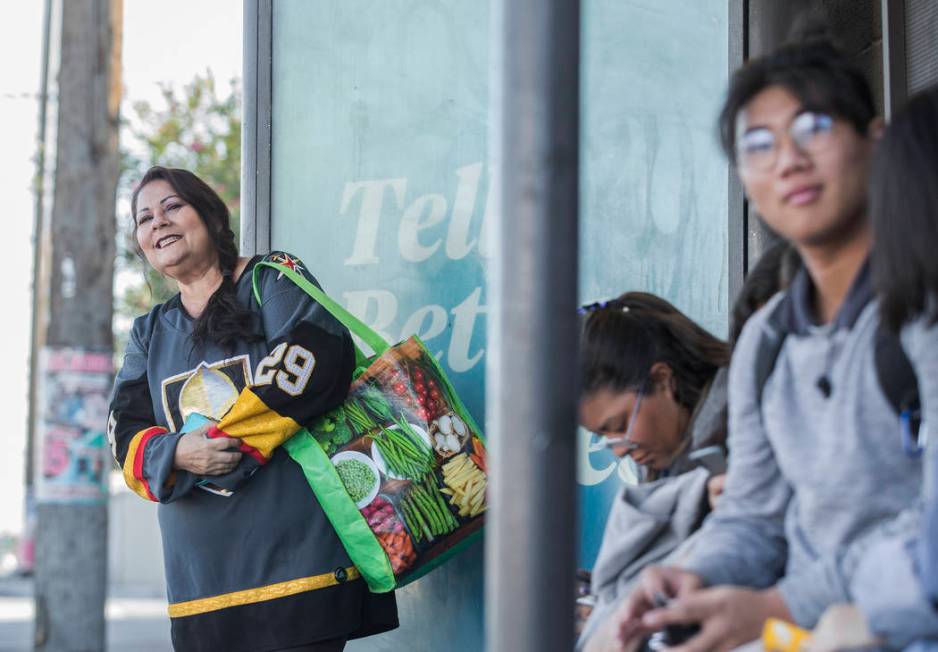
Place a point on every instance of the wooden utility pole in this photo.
(74, 361)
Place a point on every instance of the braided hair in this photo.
(224, 321)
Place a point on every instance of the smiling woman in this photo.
(182, 229)
(255, 372)
(164, 219)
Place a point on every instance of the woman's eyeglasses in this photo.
(624, 441)
(757, 149)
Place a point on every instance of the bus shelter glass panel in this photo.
(380, 183)
(654, 185)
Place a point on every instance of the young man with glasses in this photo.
(817, 469)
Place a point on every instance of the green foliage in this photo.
(193, 129)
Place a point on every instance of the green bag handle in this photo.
(374, 341)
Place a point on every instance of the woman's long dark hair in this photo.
(223, 321)
(623, 339)
(904, 213)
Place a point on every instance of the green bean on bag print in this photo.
(405, 453)
(427, 507)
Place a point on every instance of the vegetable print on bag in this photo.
(400, 467)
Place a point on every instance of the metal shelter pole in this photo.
(533, 329)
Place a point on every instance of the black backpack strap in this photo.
(770, 345)
(894, 371)
(897, 380)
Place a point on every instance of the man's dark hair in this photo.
(904, 212)
(623, 339)
(223, 321)
(815, 72)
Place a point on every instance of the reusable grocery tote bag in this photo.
(400, 467)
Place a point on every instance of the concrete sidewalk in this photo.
(136, 622)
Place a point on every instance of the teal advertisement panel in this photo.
(654, 195)
(380, 184)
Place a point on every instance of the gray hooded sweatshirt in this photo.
(815, 479)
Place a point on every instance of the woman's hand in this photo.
(715, 489)
(198, 454)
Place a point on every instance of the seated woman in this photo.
(653, 389)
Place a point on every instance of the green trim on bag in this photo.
(347, 319)
(351, 527)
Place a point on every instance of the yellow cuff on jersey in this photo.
(133, 462)
(257, 425)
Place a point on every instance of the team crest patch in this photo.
(210, 390)
(287, 261)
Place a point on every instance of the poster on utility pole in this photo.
(73, 458)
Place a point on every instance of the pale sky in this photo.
(166, 41)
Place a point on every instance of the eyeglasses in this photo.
(757, 149)
(624, 441)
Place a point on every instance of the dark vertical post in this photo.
(532, 373)
(736, 199)
(256, 133)
(38, 212)
(895, 82)
(71, 538)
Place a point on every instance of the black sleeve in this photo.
(143, 450)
